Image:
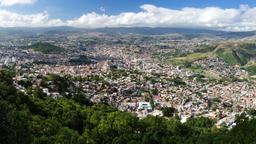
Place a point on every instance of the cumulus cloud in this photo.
(10, 19)
(15, 2)
(240, 19)
(243, 18)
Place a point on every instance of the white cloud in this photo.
(15, 2)
(240, 19)
(243, 18)
(10, 19)
(102, 9)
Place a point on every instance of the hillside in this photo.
(236, 53)
(46, 48)
(34, 117)
(231, 53)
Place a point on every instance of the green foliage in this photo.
(178, 81)
(25, 83)
(251, 69)
(251, 112)
(46, 48)
(81, 98)
(81, 60)
(18, 126)
(243, 132)
(247, 49)
(201, 122)
(189, 58)
(239, 53)
(68, 136)
(231, 57)
(5, 108)
(231, 53)
(168, 111)
(204, 48)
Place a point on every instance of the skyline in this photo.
(236, 16)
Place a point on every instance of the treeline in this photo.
(38, 119)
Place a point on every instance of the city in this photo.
(129, 71)
(164, 72)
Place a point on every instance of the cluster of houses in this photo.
(128, 76)
(130, 91)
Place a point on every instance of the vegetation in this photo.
(251, 69)
(236, 53)
(205, 48)
(188, 59)
(231, 57)
(36, 118)
(180, 58)
(46, 48)
(168, 111)
(81, 60)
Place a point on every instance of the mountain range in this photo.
(129, 30)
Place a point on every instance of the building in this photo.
(144, 106)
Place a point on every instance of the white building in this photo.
(144, 106)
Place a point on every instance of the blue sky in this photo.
(219, 14)
(66, 9)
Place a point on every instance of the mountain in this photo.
(128, 30)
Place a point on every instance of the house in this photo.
(157, 99)
(144, 106)
(46, 91)
(55, 95)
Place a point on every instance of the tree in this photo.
(68, 136)
(168, 111)
(5, 108)
(201, 122)
(82, 98)
(19, 127)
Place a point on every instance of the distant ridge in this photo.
(127, 30)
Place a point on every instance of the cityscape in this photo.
(94, 80)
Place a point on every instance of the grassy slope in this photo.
(251, 68)
(237, 53)
(228, 56)
(233, 54)
(189, 58)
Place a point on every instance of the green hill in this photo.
(46, 48)
(231, 53)
(236, 53)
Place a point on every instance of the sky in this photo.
(231, 15)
